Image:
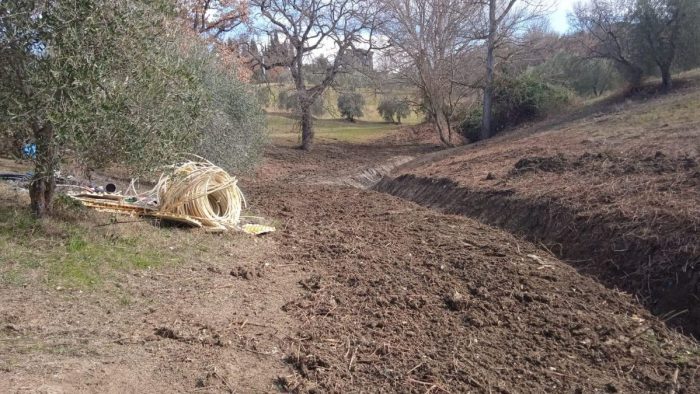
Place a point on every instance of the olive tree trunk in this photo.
(666, 80)
(43, 184)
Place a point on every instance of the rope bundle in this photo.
(201, 191)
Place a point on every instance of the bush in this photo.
(232, 133)
(393, 107)
(471, 126)
(282, 99)
(350, 105)
(514, 102)
(262, 94)
(584, 76)
(288, 100)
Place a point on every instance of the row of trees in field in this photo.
(461, 56)
(350, 104)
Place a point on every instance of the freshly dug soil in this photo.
(616, 194)
(662, 269)
(402, 298)
(356, 291)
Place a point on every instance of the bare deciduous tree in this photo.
(301, 29)
(430, 40)
(215, 17)
(505, 19)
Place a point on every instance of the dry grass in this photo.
(82, 249)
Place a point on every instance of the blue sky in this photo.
(558, 18)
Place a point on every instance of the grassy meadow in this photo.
(284, 127)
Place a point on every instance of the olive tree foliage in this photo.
(104, 82)
(637, 33)
(289, 100)
(587, 77)
(300, 29)
(350, 105)
(607, 32)
(393, 109)
(663, 27)
(231, 132)
(689, 56)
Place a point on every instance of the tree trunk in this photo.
(307, 131)
(665, 78)
(43, 183)
(634, 76)
(445, 139)
(488, 88)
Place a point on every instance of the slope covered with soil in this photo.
(615, 193)
(401, 298)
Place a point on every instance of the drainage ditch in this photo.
(661, 273)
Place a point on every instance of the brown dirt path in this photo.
(192, 326)
(358, 291)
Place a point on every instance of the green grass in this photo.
(67, 254)
(284, 126)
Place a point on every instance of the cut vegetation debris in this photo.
(199, 194)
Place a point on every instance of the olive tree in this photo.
(106, 82)
(606, 31)
(351, 105)
(662, 27)
(393, 109)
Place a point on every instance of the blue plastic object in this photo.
(29, 151)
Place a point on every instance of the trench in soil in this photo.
(660, 276)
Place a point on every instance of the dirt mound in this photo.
(609, 164)
(401, 298)
(614, 193)
(663, 271)
(547, 164)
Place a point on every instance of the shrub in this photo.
(262, 94)
(471, 126)
(393, 107)
(282, 99)
(289, 101)
(516, 101)
(350, 105)
(232, 133)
